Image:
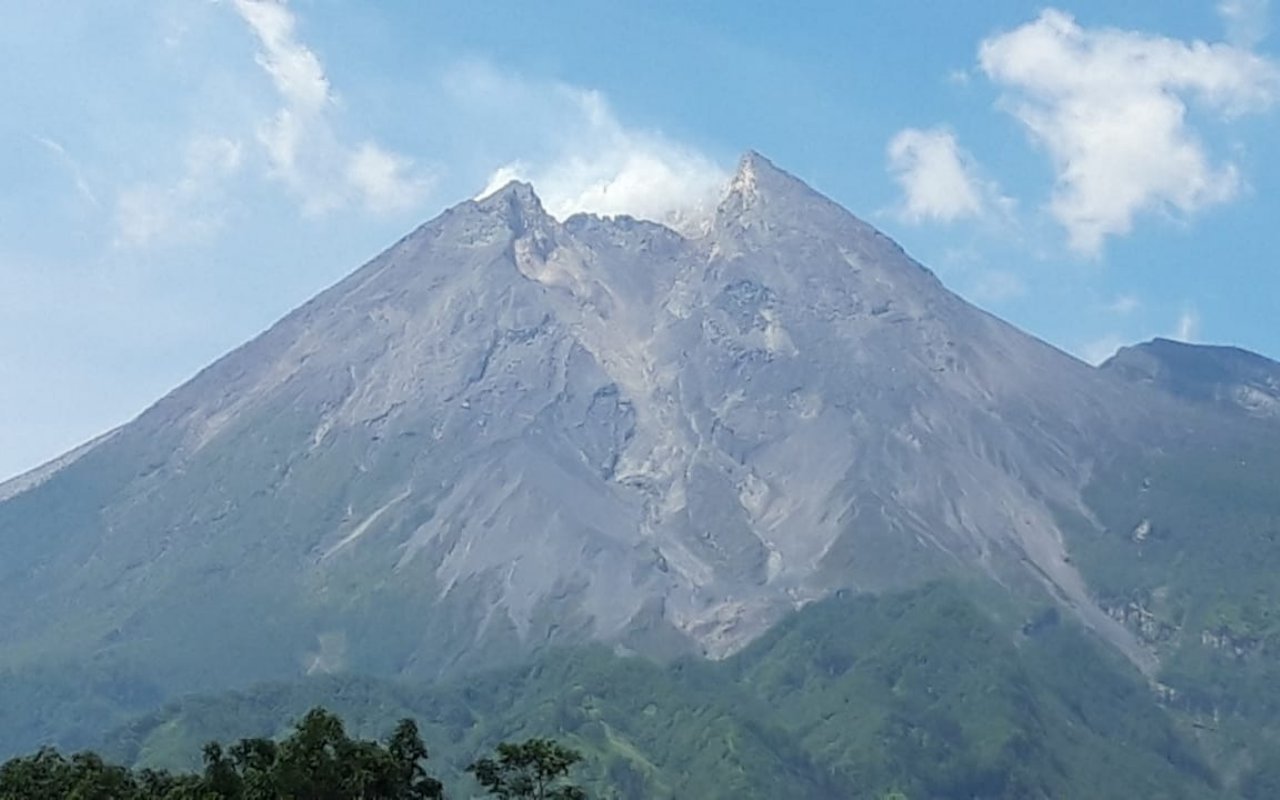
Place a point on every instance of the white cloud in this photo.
(1110, 107)
(1098, 350)
(1123, 305)
(515, 171)
(581, 158)
(383, 179)
(1188, 327)
(186, 210)
(300, 140)
(939, 180)
(1246, 21)
(294, 69)
(72, 166)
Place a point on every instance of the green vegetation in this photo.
(922, 693)
(1188, 555)
(68, 704)
(532, 770)
(318, 761)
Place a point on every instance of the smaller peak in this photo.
(517, 202)
(1167, 348)
(513, 191)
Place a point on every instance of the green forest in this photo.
(317, 761)
(920, 694)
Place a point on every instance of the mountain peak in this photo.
(1175, 354)
(757, 176)
(749, 168)
(768, 200)
(517, 203)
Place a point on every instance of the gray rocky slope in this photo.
(507, 430)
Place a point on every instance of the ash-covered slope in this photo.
(508, 430)
(1226, 378)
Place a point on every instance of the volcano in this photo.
(509, 431)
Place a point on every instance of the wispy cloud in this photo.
(1185, 329)
(1123, 305)
(186, 210)
(1247, 21)
(996, 286)
(565, 139)
(381, 179)
(1110, 107)
(1188, 326)
(73, 168)
(301, 142)
(583, 159)
(1095, 351)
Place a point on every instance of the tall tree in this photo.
(535, 769)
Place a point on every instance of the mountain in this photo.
(919, 692)
(509, 432)
(1226, 377)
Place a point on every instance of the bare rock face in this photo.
(508, 430)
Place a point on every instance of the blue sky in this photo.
(180, 173)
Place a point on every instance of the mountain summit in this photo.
(1225, 377)
(509, 430)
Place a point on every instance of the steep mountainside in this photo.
(508, 431)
